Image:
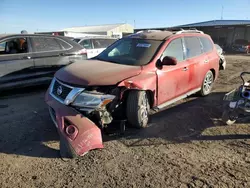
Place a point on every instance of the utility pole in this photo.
(222, 9)
(134, 23)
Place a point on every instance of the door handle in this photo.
(206, 61)
(185, 69)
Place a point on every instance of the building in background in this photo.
(226, 33)
(68, 34)
(112, 30)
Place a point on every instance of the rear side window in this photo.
(45, 44)
(174, 49)
(102, 43)
(193, 46)
(206, 44)
(86, 44)
(64, 44)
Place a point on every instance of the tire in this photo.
(137, 109)
(226, 118)
(207, 84)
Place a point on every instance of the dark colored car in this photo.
(144, 71)
(30, 59)
(241, 45)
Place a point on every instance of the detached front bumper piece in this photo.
(78, 134)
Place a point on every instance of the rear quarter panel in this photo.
(214, 64)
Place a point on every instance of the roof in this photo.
(3, 35)
(93, 28)
(151, 35)
(96, 37)
(217, 23)
(29, 35)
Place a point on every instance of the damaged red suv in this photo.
(146, 70)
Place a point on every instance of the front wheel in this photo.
(207, 84)
(138, 109)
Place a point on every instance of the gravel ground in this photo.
(184, 146)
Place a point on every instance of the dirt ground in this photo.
(184, 146)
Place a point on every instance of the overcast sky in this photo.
(48, 15)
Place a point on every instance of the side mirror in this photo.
(167, 60)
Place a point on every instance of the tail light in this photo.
(82, 52)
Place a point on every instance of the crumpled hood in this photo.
(95, 72)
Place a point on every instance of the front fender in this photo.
(144, 81)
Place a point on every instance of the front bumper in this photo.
(87, 136)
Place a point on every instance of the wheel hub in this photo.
(208, 82)
(144, 109)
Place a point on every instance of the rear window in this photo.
(206, 44)
(193, 46)
(64, 44)
(45, 44)
(218, 47)
(102, 43)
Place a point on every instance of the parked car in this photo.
(138, 73)
(241, 45)
(223, 62)
(28, 59)
(94, 45)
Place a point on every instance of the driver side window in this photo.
(14, 46)
(122, 49)
(174, 49)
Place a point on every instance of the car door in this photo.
(196, 60)
(173, 80)
(48, 53)
(16, 59)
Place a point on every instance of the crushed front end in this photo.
(80, 113)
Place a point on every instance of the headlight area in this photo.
(95, 107)
(90, 100)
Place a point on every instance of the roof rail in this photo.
(189, 31)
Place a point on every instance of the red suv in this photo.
(146, 70)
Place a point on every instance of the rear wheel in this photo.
(207, 84)
(138, 109)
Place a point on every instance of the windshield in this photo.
(76, 40)
(130, 51)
